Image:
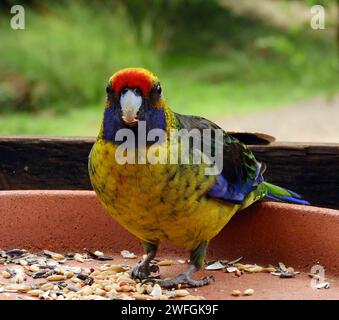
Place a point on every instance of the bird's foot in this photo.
(143, 270)
(184, 280)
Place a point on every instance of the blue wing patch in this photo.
(235, 192)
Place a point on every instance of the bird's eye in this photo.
(158, 89)
(124, 91)
(109, 89)
(137, 92)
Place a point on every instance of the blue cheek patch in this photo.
(155, 119)
(108, 124)
(112, 123)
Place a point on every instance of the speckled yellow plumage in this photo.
(156, 202)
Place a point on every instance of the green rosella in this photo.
(178, 202)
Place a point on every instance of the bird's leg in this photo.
(143, 269)
(197, 260)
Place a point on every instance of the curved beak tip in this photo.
(130, 121)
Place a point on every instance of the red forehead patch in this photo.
(132, 79)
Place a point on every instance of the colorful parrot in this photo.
(177, 202)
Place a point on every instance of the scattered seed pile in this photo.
(60, 281)
(62, 277)
(238, 268)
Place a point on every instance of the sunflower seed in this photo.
(76, 280)
(282, 267)
(15, 252)
(181, 293)
(255, 269)
(69, 255)
(215, 266)
(323, 285)
(100, 292)
(86, 290)
(22, 288)
(72, 287)
(73, 269)
(46, 295)
(68, 274)
(6, 274)
(138, 296)
(165, 262)
(56, 277)
(98, 255)
(35, 293)
(34, 268)
(156, 291)
(270, 269)
(236, 293)
(126, 288)
(84, 277)
(128, 255)
(24, 298)
(78, 257)
(53, 295)
(112, 269)
(248, 292)
(18, 278)
(53, 255)
(47, 286)
(42, 274)
(23, 262)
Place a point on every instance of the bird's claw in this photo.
(151, 280)
(143, 270)
(140, 271)
(154, 268)
(184, 280)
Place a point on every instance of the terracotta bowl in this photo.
(266, 233)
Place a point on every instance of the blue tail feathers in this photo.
(288, 199)
(277, 193)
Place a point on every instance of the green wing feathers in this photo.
(241, 180)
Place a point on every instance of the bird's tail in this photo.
(277, 193)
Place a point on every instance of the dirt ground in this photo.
(316, 120)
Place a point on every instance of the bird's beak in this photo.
(130, 102)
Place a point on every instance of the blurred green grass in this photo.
(211, 62)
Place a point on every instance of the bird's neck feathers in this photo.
(171, 120)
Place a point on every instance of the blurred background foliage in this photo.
(215, 58)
